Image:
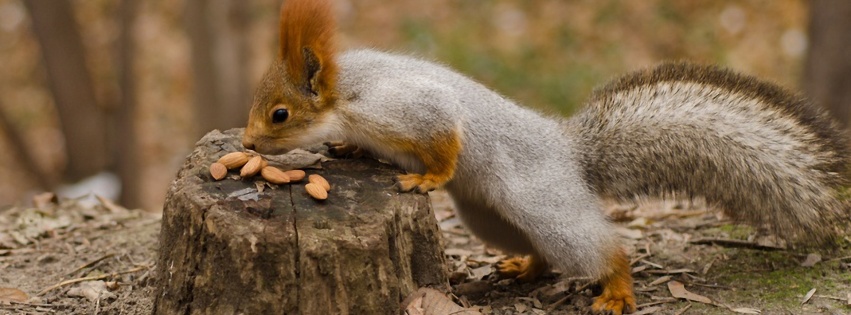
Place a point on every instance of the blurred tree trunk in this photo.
(125, 140)
(218, 38)
(83, 123)
(21, 151)
(827, 74)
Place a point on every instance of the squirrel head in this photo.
(295, 100)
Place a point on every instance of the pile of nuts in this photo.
(317, 186)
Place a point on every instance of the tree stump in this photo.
(228, 248)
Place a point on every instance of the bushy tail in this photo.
(761, 153)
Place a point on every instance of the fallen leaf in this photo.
(659, 281)
(639, 269)
(110, 205)
(432, 301)
(13, 295)
(641, 222)
(92, 290)
(746, 310)
(678, 290)
(415, 307)
(812, 260)
(629, 233)
(43, 199)
(481, 272)
(808, 296)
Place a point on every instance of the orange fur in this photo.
(439, 155)
(617, 297)
(523, 268)
(311, 24)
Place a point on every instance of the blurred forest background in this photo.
(125, 87)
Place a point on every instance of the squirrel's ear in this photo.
(307, 46)
(313, 71)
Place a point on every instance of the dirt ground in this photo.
(69, 258)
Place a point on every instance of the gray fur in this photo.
(529, 184)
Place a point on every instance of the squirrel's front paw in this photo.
(422, 183)
(525, 269)
(341, 149)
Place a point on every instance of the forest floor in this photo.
(69, 258)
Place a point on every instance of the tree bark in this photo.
(218, 39)
(226, 247)
(827, 74)
(83, 123)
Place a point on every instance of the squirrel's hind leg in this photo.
(617, 297)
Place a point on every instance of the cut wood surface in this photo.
(227, 247)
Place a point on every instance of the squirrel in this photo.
(530, 184)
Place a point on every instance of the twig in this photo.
(684, 309)
(734, 243)
(555, 304)
(664, 301)
(37, 304)
(91, 263)
(839, 258)
(72, 281)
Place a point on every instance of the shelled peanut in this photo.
(251, 165)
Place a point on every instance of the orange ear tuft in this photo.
(307, 31)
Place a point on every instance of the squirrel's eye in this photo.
(279, 115)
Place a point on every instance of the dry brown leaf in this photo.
(92, 290)
(13, 295)
(632, 234)
(639, 269)
(434, 302)
(678, 290)
(415, 307)
(481, 272)
(43, 199)
(110, 205)
(659, 281)
(520, 307)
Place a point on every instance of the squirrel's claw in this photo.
(524, 269)
(416, 182)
